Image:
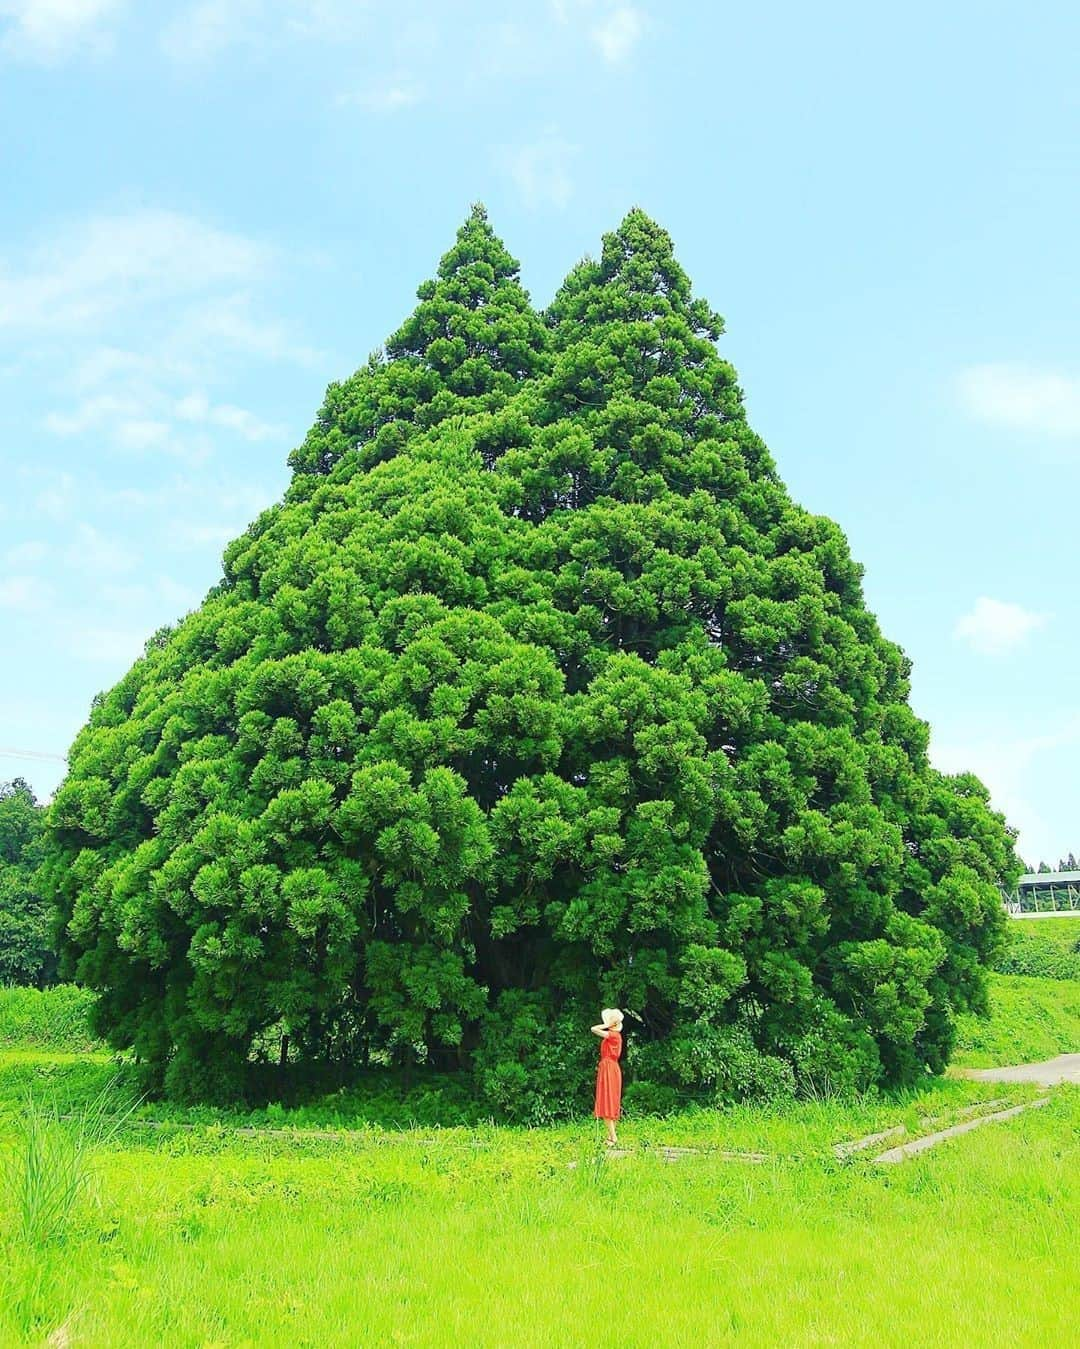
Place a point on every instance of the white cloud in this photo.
(227, 321)
(1010, 769)
(142, 302)
(26, 554)
(203, 31)
(89, 414)
(91, 551)
(46, 30)
(111, 263)
(105, 644)
(197, 534)
(24, 593)
(613, 29)
(56, 499)
(162, 593)
(996, 626)
(617, 34)
(143, 433)
(145, 422)
(1022, 398)
(226, 496)
(541, 171)
(196, 407)
(391, 97)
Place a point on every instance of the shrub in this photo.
(50, 1018)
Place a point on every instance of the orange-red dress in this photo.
(609, 1078)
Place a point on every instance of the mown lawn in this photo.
(193, 1233)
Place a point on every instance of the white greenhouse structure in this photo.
(1045, 892)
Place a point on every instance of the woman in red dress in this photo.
(609, 1074)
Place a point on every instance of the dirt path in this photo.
(1051, 1073)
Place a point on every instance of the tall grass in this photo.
(48, 1170)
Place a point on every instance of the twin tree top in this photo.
(536, 693)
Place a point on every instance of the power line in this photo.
(6, 753)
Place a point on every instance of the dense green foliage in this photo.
(26, 947)
(46, 1018)
(1045, 949)
(536, 693)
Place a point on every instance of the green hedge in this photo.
(46, 1018)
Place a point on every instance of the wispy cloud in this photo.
(616, 35)
(26, 554)
(228, 321)
(148, 422)
(1022, 398)
(205, 30)
(110, 263)
(613, 29)
(392, 96)
(179, 492)
(24, 592)
(1009, 766)
(104, 644)
(48, 30)
(92, 551)
(56, 497)
(197, 533)
(994, 627)
(196, 407)
(162, 593)
(541, 170)
(201, 32)
(145, 306)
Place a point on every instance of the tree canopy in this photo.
(536, 692)
(26, 945)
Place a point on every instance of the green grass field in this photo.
(320, 1227)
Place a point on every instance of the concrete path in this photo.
(906, 1150)
(927, 1122)
(1052, 1073)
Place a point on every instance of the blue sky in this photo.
(211, 209)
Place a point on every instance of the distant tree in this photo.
(26, 955)
(536, 692)
(1045, 868)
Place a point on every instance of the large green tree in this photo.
(536, 691)
(26, 947)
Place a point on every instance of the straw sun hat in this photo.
(611, 1017)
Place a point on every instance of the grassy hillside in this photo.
(1031, 1019)
(1046, 948)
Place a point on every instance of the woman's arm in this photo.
(600, 1030)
